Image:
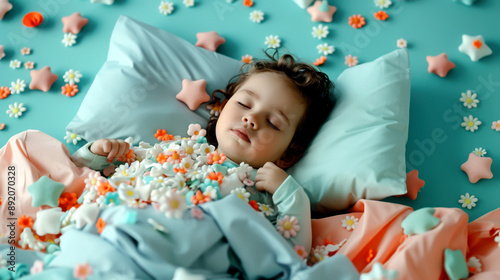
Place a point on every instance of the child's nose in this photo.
(251, 120)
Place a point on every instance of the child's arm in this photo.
(96, 155)
(290, 199)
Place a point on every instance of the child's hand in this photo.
(110, 148)
(269, 177)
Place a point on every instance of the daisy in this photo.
(127, 192)
(213, 192)
(288, 226)
(469, 99)
(195, 131)
(272, 41)
(357, 21)
(203, 149)
(325, 49)
(246, 59)
(186, 163)
(72, 137)
(350, 222)
(25, 51)
(351, 60)
(264, 208)
(257, 16)
(4, 92)
(16, 110)
(241, 193)
(82, 271)
(14, 64)
(17, 86)
(495, 125)
(480, 152)
(69, 39)
(72, 77)
(320, 31)
(401, 43)
(92, 180)
(166, 7)
(188, 147)
(188, 3)
(468, 201)
(471, 123)
(320, 254)
(177, 181)
(474, 265)
(383, 3)
(173, 204)
(29, 65)
(69, 90)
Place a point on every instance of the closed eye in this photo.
(243, 105)
(272, 125)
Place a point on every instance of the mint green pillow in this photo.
(360, 151)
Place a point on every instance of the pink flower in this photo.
(215, 158)
(247, 58)
(288, 227)
(29, 64)
(197, 213)
(496, 125)
(25, 51)
(82, 271)
(37, 267)
(195, 131)
(351, 60)
(301, 251)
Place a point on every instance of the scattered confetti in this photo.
(25, 51)
(29, 65)
(72, 77)
(69, 39)
(381, 15)
(351, 60)
(16, 110)
(469, 99)
(166, 8)
(480, 151)
(14, 64)
(383, 3)
(247, 58)
(273, 41)
(495, 125)
(320, 31)
(257, 16)
(325, 49)
(401, 43)
(471, 124)
(72, 137)
(356, 21)
(17, 86)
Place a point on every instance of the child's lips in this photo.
(242, 133)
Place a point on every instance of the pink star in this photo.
(413, 184)
(193, 93)
(440, 65)
(209, 40)
(74, 23)
(42, 79)
(477, 168)
(5, 6)
(319, 15)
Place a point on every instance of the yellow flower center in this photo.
(130, 192)
(93, 181)
(174, 204)
(272, 41)
(265, 208)
(287, 225)
(124, 173)
(320, 31)
(216, 157)
(350, 222)
(15, 110)
(467, 201)
(189, 150)
(187, 165)
(207, 150)
(470, 123)
(175, 156)
(18, 86)
(196, 132)
(240, 195)
(71, 76)
(73, 136)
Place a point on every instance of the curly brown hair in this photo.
(314, 86)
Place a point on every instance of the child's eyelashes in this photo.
(243, 105)
(272, 125)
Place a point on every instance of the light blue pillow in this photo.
(360, 151)
(133, 94)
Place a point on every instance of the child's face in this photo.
(259, 121)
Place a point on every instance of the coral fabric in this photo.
(34, 154)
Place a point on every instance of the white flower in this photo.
(17, 86)
(211, 192)
(186, 163)
(469, 99)
(195, 131)
(351, 60)
(159, 182)
(127, 192)
(188, 147)
(14, 64)
(92, 180)
(257, 16)
(378, 272)
(241, 193)
(69, 39)
(173, 204)
(401, 43)
(203, 149)
(188, 3)
(480, 152)
(166, 7)
(475, 263)
(468, 201)
(383, 3)
(325, 49)
(90, 196)
(177, 182)
(288, 226)
(16, 110)
(72, 137)
(272, 41)
(72, 77)
(471, 123)
(350, 222)
(320, 31)
(264, 208)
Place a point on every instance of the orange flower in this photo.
(216, 177)
(69, 90)
(200, 198)
(320, 61)
(248, 3)
(180, 170)
(254, 205)
(4, 92)
(129, 157)
(381, 15)
(67, 200)
(356, 21)
(215, 158)
(161, 135)
(161, 158)
(100, 225)
(25, 222)
(104, 188)
(477, 44)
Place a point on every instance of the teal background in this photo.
(437, 144)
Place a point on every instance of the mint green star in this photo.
(420, 221)
(45, 191)
(455, 265)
